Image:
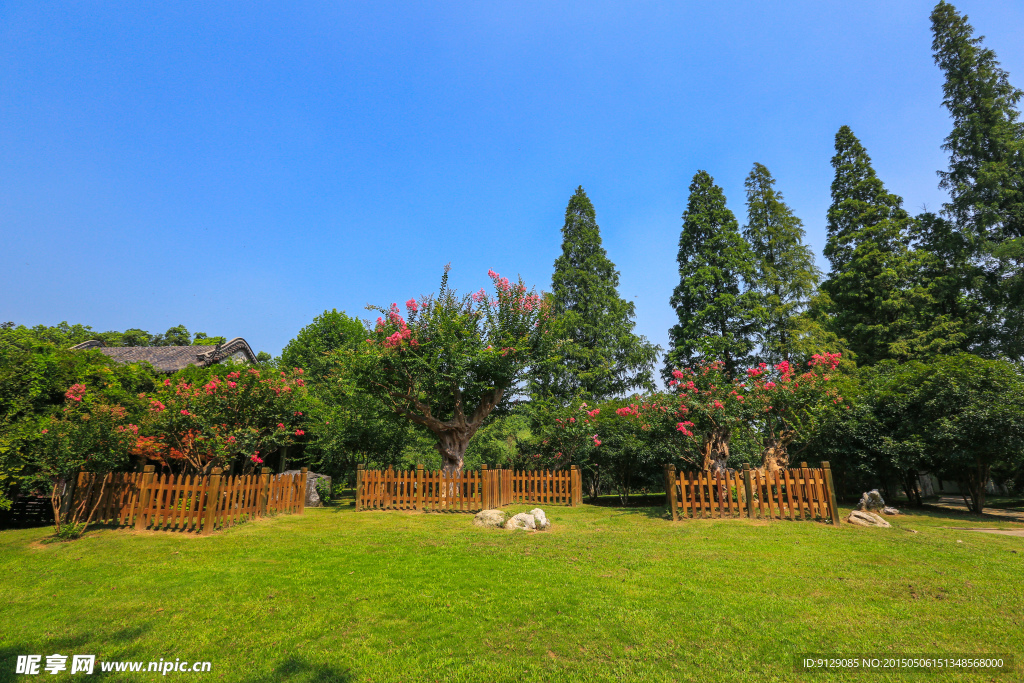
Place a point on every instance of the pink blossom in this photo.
(280, 425)
(167, 382)
(232, 384)
(184, 412)
(597, 442)
(411, 305)
(45, 431)
(299, 432)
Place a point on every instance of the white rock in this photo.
(489, 518)
(871, 501)
(524, 520)
(890, 511)
(862, 518)
(540, 518)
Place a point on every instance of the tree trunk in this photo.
(911, 487)
(715, 450)
(594, 483)
(451, 444)
(976, 481)
(776, 454)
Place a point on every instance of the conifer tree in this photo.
(785, 275)
(870, 283)
(985, 181)
(600, 356)
(718, 319)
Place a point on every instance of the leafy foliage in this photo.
(592, 327)
(455, 359)
(717, 318)
(784, 272)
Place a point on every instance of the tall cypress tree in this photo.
(718, 319)
(872, 268)
(985, 181)
(600, 355)
(784, 272)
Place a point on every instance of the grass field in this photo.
(609, 594)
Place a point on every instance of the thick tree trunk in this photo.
(715, 450)
(776, 453)
(452, 447)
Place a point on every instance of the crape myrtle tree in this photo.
(784, 276)
(985, 181)
(592, 326)
(773, 408)
(718, 317)
(88, 434)
(451, 360)
(237, 417)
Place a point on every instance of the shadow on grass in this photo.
(298, 670)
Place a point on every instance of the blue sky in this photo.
(240, 167)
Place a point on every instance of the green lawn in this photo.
(608, 594)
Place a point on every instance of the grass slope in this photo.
(607, 595)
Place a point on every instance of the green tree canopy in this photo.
(875, 304)
(784, 275)
(330, 331)
(985, 181)
(600, 354)
(452, 360)
(718, 319)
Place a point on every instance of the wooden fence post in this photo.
(302, 489)
(670, 483)
(574, 480)
(359, 486)
(832, 503)
(748, 489)
(264, 490)
(485, 488)
(419, 486)
(145, 491)
(212, 500)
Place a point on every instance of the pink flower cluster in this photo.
(629, 410)
(75, 393)
(831, 360)
(684, 428)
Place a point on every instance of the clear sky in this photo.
(241, 167)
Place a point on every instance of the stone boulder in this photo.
(862, 518)
(890, 511)
(312, 497)
(871, 501)
(490, 518)
(540, 519)
(524, 520)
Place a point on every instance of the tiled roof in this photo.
(173, 358)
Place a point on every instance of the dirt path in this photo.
(957, 504)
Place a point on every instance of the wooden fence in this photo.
(797, 493)
(182, 502)
(468, 491)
